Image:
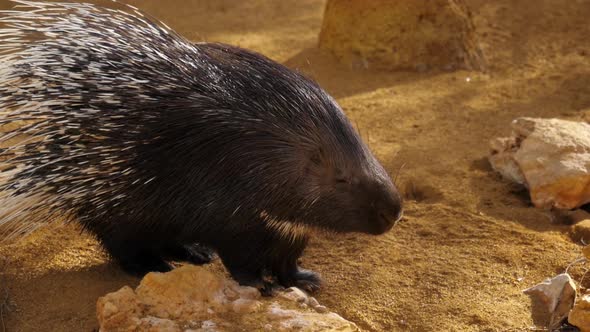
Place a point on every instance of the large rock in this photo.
(401, 34)
(551, 157)
(191, 298)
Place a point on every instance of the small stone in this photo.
(248, 293)
(231, 294)
(581, 231)
(208, 324)
(313, 302)
(277, 313)
(294, 294)
(580, 314)
(245, 306)
(321, 309)
(552, 300)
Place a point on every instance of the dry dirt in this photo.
(469, 243)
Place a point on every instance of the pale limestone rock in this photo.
(402, 34)
(580, 314)
(552, 300)
(122, 312)
(551, 157)
(191, 298)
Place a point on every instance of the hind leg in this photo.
(193, 253)
(142, 263)
(136, 259)
(136, 249)
(139, 257)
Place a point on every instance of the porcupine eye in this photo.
(316, 158)
(339, 177)
(333, 172)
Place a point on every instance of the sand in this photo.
(469, 243)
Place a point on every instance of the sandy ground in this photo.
(470, 242)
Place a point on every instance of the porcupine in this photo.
(166, 150)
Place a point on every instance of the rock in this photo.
(580, 314)
(292, 320)
(321, 309)
(404, 34)
(313, 302)
(122, 312)
(191, 298)
(552, 300)
(549, 156)
(245, 306)
(580, 231)
(295, 294)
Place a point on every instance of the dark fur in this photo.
(214, 151)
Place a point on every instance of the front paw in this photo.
(308, 280)
(304, 279)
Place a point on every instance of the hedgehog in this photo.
(167, 150)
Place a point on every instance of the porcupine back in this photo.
(79, 87)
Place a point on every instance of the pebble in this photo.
(313, 302)
(245, 306)
(321, 309)
(294, 294)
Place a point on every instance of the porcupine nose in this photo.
(389, 208)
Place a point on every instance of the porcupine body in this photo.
(163, 148)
